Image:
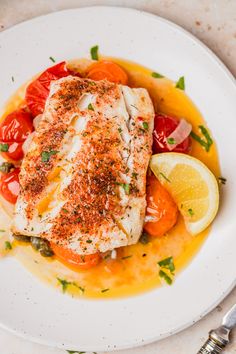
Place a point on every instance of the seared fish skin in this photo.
(83, 180)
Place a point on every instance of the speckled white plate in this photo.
(31, 309)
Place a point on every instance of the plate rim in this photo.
(225, 70)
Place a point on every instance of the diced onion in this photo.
(113, 254)
(181, 132)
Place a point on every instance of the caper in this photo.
(144, 238)
(42, 246)
(22, 238)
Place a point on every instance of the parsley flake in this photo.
(45, 155)
(75, 352)
(125, 186)
(90, 107)
(190, 211)
(171, 141)
(52, 59)
(167, 263)
(94, 52)
(145, 125)
(1, 230)
(207, 142)
(104, 290)
(166, 277)
(126, 257)
(4, 147)
(157, 75)
(164, 176)
(64, 283)
(8, 245)
(180, 84)
(222, 180)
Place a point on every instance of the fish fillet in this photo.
(83, 179)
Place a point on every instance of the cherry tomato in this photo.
(161, 208)
(38, 90)
(71, 258)
(163, 126)
(16, 126)
(108, 70)
(9, 185)
(14, 130)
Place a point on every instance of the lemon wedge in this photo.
(192, 185)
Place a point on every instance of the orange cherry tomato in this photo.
(9, 185)
(160, 207)
(71, 258)
(14, 130)
(108, 70)
(38, 90)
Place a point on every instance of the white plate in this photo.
(31, 309)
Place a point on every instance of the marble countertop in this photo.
(212, 21)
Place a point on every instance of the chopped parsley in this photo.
(126, 257)
(75, 352)
(104, 290)
(89, 241)
(167, 263)
(64, 283)
(180, 84)
(6, 167)
(90, 107)
(222, 180)
(166, 277)
(145, 125)
(64, 210)
(171, 141)
(162, 174)
(52, 59)
(157, 75)
(94, 52)
(134, 175)
(144, 238)
(1, 230)
(190, 211)
(45, 155)
(119, 130)
(8, 245)
(4, 147)
(207, 142)
(125, 186)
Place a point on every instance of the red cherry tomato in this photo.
(9, 185)
(163, 126)
(37, 92)
(14, 130)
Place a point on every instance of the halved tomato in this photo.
(73, 259)
(14, 130)
(38, 90)
(9, 185)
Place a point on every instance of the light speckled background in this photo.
(212, 21)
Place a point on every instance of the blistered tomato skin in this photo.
(163, 126)
(9, 185)
(38, 90)
(14, 130)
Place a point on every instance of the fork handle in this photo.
(211, 347)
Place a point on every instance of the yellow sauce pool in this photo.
(135, 270)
